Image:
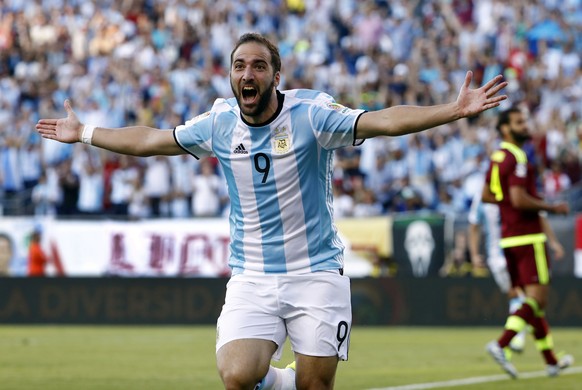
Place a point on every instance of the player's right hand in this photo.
(561, 208)
(67, 130)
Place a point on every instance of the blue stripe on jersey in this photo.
(315, 193)
(222, 145)
(265, 187)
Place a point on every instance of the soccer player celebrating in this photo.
(511, 183)
(276, 149)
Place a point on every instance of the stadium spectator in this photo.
(37, 258)
(206, 198)
(90, 201)
(275, 148)
(365, 201)
(348, 164)
(139, 206)
(123, 178)
(447, 156)
(12, 181)
(511, 183)
(6, 254)
(458, 264)
(158, 186)
(398, 173)
(44, 198)
(421, 169)
(407, 200)
(87, 51)
(343, 203)
(555, 182)
(378, 180)
(445, 202)
(68, 182)
(183, 171)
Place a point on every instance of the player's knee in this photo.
(235, 378)
(542, 303)
(237, 382)
(539, 298)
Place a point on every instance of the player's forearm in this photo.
(135, 140)
(486, 195)
(547, 228)
(524, 201)
(400, 120)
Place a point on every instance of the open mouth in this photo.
(249, 93)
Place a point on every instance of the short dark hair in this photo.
(258, 38)
(503, 117)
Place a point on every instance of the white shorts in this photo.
(314, 310)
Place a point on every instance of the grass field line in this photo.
(477, 380)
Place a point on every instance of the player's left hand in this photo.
(471, 102)
(558, 249)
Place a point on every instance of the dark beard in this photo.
(520, 138)
(261, 105)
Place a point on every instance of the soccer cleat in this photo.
(498, 354)
(260, 385)
(564, 362)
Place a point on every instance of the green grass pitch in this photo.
(174, 357)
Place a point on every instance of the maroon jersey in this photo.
(509, 167)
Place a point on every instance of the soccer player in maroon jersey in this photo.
(511, 183)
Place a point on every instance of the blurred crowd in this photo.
(160, 63)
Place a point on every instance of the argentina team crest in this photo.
(281, 140)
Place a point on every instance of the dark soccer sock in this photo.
(517, 321)
(544, 341)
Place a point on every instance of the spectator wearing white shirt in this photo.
(343, 203)
(122, 185)
(183, 173)
(91, 186)
(44, 197)
(206, 195)
(555, 181)
(157, 185)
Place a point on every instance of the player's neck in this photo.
(271, 112)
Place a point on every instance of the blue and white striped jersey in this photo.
(279, 179)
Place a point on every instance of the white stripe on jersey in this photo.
(291, 205)
(243, 178)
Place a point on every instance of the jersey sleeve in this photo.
(516, 171)
(333, 124)
(195, 136)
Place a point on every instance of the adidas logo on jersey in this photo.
(240, 150)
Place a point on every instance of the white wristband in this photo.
(87, 134)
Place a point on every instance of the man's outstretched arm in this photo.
(134, 140)
(399, 120)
